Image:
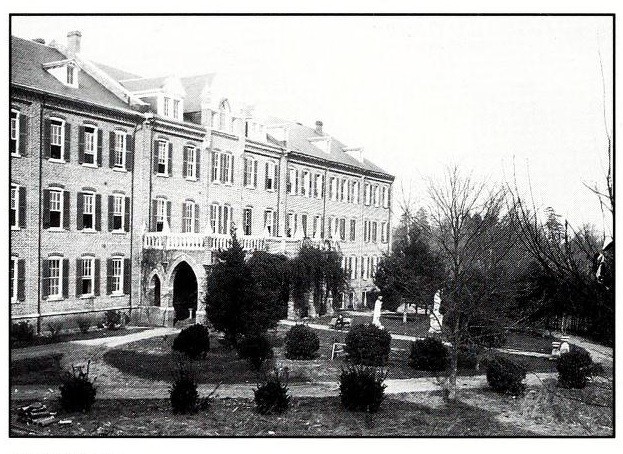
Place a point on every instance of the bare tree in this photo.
(474, 237)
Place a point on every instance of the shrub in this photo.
(368, 345)
(256, 349)
(55, 329)
(84, 323)
(488, 335)
(77, 389)
(112, 320)
(183, 391)
(193, 341)
(271, 396)
(22, 332)
(467, 356)
(362, 388)
(574, 367)
(428, 354)
(505, 376)
(301, 343)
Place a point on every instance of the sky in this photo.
(497, 96)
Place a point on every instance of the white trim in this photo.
(59, 295)
(17, 132)
(62, 144)
(17, 219)
(15, 279)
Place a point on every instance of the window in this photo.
(269, 222)
(56, 209)
(13, 210)
(307, 184)
(353, 227)
(330, 229)
(188, 217)
(119, 150)
(163, 158)
(54, 278)
(318, 186)
(176, 108)
(366, 231)
(116, 276)
(222, 167)
(304, 224)
(333, 188)
(88, 211)
(355, 192)
(363, 267)
(117, 212)
(375, 195)
(191, 162)
(317, 227)
(250, 173)
(384, 198)
(14, 137)
(366, 194)
(71, 75)
(247, 221)
(13, 279)
(374, 227)
(383, 232)
(344, 190)
(271, 170)
(161, 212)
(291, 226)
(220, 218)
(343, 229)
(87, 277)
(167, 106)
(292, 181)
(90, 145)
(57, 136)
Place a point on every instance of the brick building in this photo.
(122, 189)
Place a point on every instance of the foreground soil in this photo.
(313, 417)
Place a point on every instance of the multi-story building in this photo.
(122, 189)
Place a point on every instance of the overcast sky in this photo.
(418, 93)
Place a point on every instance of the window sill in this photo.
(16, 155)
(190, 179)
(90, 166)
(56, 229)
(119, 232)
(87, 297)
(88, 231)
(120, 169)
(57, 161)
(15, 228)
(163, 175)
(250, 187)
(55, 298)
(117, 295)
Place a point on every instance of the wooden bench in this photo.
(337, 349)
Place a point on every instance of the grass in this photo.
(306, 417)
(44, 370)
(94, 333)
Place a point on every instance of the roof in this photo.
(27, 60)
(116, 73)
(299, 136)
(193, 85)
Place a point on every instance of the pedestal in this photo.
(201, 318)
(329, 305)
(311, 309)
(291, 312)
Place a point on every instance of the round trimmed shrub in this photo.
(301, 343)
(467, 356)
(22, 332)
(368, 345)
(183, 392)
(255, 348)
(272, 397)
(193, 341)
(505, 376)
(429, 354)
(574, 368)
(362, 388)
(77, 390)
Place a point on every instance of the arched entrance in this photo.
(156, 290)
(184, 291)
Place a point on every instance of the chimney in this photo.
(319, 127)
(73, 43)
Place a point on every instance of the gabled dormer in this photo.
(323, 143)
(171, 99)
(65, 71)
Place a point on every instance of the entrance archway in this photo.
(156, 290)
(184, 291)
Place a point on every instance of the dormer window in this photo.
(176, 108)
(71, 75)
(65, 71)
(167, 106)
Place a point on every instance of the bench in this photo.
(336, 349)
(340, 325)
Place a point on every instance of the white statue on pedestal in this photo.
(435, 318)
(376, 315)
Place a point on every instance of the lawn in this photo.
(43, 370)
(94, 333)
(306, 417)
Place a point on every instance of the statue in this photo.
(435, 318)
(376, 315)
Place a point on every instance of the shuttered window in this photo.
(247, 221)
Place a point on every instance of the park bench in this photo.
(337, 349)
(342, 324)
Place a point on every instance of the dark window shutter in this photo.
(196, 218)
(155, 157)
(245, 178)
(266, 177)
(127, 276)
(65, 278)
(96, 278)
(78, 277)
(223, 169)
(108, 276)
(47, 128)
(198, 163)
(22, 207)
(276, 223)
(231, 169)
(79, 210)
(169, 213)
(110, 213)
(255, 174)
(111, 148)
(154, 207)
(184, 162)
(80, 144)
(129, 153)
(46, 208)
(21, 280)
(98, 212)
(127, 215)
(67, 142)
(277, 177)
(23, 135)
(170, 158)
(100, 147)
(45, 278)
(214, 156)
(66, 210)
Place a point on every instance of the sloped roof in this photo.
(193, 85)
(299, 136)
(116, 73)
(27, 60)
